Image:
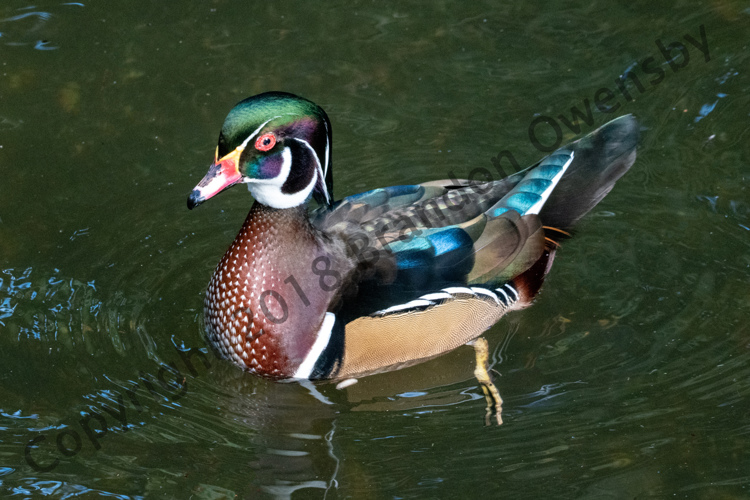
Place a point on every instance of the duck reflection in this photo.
(297, 434)
(294, 426)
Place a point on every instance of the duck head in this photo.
(278, 144)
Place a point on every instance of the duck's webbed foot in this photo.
(494, 401)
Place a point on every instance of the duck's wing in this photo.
(440, 263)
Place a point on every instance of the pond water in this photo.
(628, 378)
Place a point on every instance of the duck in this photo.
(317, 289)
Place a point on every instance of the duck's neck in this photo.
(264, 304)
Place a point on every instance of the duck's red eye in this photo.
(265, 142)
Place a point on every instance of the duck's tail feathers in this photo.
(600, 159)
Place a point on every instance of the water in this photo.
(628, 378)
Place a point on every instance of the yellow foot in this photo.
(494, 401)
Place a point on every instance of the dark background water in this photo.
(628, 378)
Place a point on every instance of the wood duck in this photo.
(390, 277)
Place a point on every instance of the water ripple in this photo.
(65, 312)
(25, 29)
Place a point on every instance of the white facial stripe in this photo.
(319, 169)
(268, 191)
(257, 130)
(242, 146)
(321, 342)
(328, 146)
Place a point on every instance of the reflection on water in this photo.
(627, 378)
(26, 26)
(63, 312)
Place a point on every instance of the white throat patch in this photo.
(268, 191)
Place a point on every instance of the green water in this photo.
(628, 378)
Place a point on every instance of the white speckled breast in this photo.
(271, 246)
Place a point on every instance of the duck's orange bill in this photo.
(223, 173)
